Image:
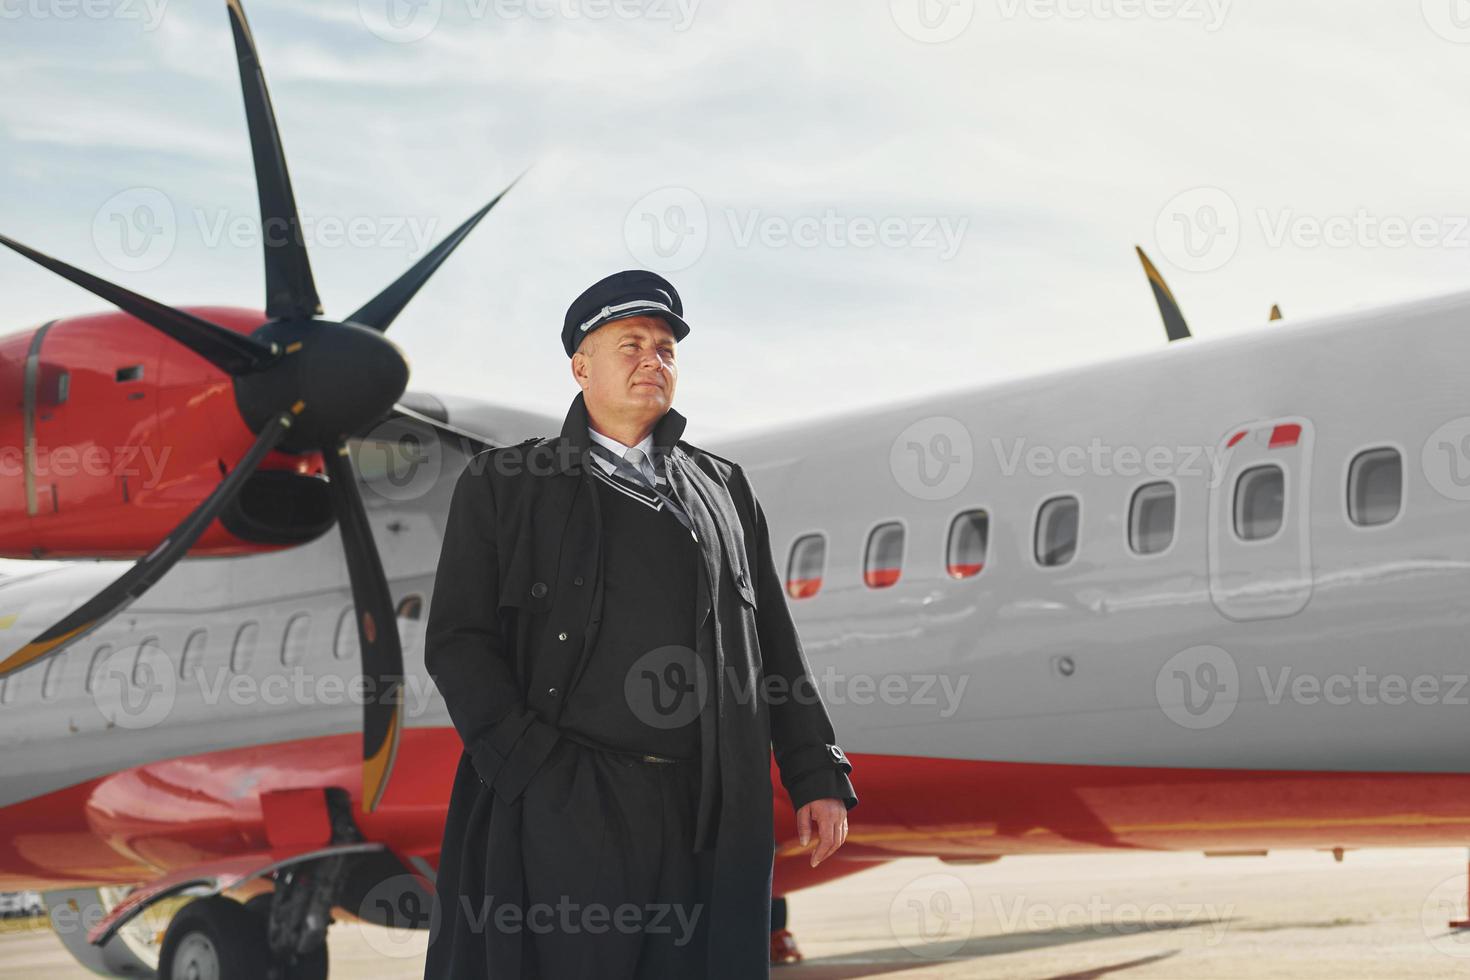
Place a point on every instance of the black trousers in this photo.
(614, 890)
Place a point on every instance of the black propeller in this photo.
(339, 378)
(1174, 324)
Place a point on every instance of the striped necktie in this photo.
(633, 465)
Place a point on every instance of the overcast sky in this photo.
(859, 202)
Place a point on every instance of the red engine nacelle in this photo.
(115, 433)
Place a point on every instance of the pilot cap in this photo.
(619, 296)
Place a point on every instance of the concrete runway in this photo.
(1379, 914)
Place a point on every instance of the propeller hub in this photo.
(348, 376)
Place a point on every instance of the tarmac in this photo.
(1377, 915)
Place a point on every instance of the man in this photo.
(611, 638)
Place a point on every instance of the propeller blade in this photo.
(384, 308)
(1174, 324)
(377, 628)
(1275, 312)
(146, 572)
(471, 442)
(290, 290)
(231, 352)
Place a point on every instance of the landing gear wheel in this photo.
(213, 938)
(310, 966)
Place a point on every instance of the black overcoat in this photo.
(514, 612)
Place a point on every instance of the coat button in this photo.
(551, 691)
(577, 580)
(561, 636)
(538, 590)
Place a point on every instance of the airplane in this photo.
(1203, 598)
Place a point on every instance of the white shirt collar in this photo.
(645, 446)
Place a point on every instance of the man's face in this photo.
(626, 369)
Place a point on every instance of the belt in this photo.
(625, 753)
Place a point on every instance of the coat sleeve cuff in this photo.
(512, 752)
(818, 772)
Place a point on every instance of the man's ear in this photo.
(579, 369)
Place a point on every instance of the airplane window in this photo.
(345, 645)
(968, 535)
(1056, 531)
(55, 674)
(410, 607)
(296, 638)
(192, 659)
(94, 669)
(885, 555)
(1259, 496)
(1151, 518)
(1375, 487)
(244, 649)
(804, 569)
